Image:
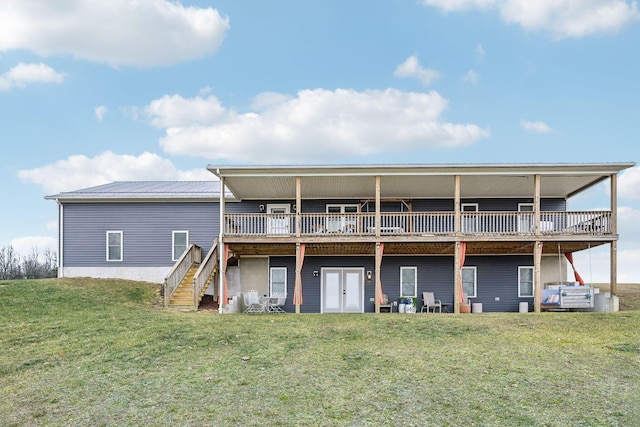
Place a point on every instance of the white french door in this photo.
(278, 220)
(342, 290)
(344, 218)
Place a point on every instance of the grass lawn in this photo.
(98, 352)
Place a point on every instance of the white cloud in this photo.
(23, 74)
(265, 100)
(411, 68)
(25, 246)
(64, 175)
(471, 77)
(138, 33)
(535, 127)
(561, 18)
(175, 110)
(100, 112)
(315, 126)
(480, 51)
(629, 183)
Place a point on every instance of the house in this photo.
(336, 238)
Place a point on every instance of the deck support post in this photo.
(298, 205)
(222, 270)
(457, 282)
(378, 260)
(537, 286)
(298, 283)
(613, 255)
(537, 247)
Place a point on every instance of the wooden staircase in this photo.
(182, 298)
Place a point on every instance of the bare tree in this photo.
(9, 263)
(32, 266)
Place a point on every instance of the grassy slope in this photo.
(91, 352)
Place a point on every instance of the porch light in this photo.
(369, 275)
(261, 207)
(315, 273)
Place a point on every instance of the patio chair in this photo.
(430, 303)
(276, 302)
(252, 303)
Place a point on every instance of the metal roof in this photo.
(145, 190)
(414, 181)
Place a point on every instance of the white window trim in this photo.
(109, 232)
(469, 223)
(415, 281)
(285, 206)
(173, 243)
(342, 215)
(533, 287)
(475, 281)
(271, 293)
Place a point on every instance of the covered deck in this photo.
(457, 232)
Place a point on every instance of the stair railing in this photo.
(192, 255)
(203, 274)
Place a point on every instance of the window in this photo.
(469, 281)
(408, 281)
(344, 218)
(278, 282)
(114, 245)
(180, 241)
(525, 281)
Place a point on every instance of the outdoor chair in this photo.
(252, 303)
(430, 303)
(276, 302)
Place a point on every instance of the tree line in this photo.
(35, 265)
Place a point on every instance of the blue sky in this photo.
(94, 92)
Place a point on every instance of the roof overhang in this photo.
(414, 181)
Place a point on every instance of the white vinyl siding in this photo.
(114, 245)
(469, 281)
(408, 281)
(180, 242)
(525, 282)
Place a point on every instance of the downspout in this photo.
(222, 270)
(613, 256)
(60, 239)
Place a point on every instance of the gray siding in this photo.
(497, 276)
(418, 205)
(147, 231)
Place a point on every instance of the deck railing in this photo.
(176, 274)
(204, 272)
(419, 224)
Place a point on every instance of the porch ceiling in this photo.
(409, 248)
(413, 181)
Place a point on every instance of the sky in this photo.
(93, 92)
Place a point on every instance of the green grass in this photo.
(96, 352)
